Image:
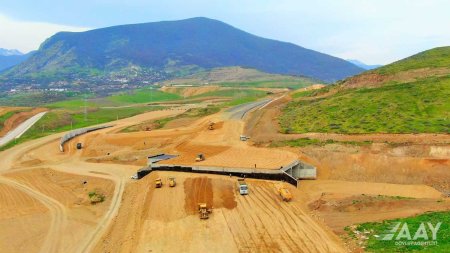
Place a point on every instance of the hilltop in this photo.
(163, 50)
(433, 62)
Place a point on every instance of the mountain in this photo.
(431, 63)
(8, 61)
(172, 48)
(9, 52)
(363, 65)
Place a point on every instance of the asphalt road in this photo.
(239, 112)
(21, 129)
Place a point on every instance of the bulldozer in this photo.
(158, 183)
(211, 125)
(200, 157)
(172, 182)
(204, 211)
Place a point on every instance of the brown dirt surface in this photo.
(371, 80)
(17, 119)
(197, 190)
(168, 213)
(190, 91)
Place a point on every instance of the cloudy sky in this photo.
(373, 31)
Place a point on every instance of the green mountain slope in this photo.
(406, 105)
(162, 50)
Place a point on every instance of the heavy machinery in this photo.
(211, 125)
(242, 186)
(200, 157)
(244, 138)
(203, 211)
(285, 194)
(158, 183)
(172, 182)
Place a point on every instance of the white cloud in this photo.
(27, 36)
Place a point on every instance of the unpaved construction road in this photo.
(52, 194)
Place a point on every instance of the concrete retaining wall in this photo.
(277, 175)
(67, 137)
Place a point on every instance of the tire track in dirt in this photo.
(53, 239)
(262, 199)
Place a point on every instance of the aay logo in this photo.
(402, 235)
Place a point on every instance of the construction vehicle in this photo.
(200, 157)
(243, 138)
(172, 182)
(242, 186)
(79, 145)
(203, 211)
(158, 183)
(285, 194)
(211, 125)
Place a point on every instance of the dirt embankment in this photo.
(372, 80)
(17, 119)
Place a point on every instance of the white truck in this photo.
(242, 186)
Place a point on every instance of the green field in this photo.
(288, 83)
(417, 107)
(143, 96)
(303, 142)
(57, 121)
(237, 96)
(378, 229)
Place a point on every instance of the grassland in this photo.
(421, 106)
(143, 96)
(237, 96)
(374, 244)
(288, 83)
(303, 142)
(60, 120)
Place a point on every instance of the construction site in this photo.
(207, 185)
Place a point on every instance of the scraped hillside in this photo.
(408, 96)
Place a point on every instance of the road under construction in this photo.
(44, 193)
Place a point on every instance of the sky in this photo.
(372, 31)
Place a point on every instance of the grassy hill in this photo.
(434, 58)
(408, 105)
(433, 62)
(242, 77)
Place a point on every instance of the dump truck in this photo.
(285, 194)
(200, 157)
(158, 183)
(211, 126)
(242, 186)
(79, 145)
(203, 211)
(172, 182)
